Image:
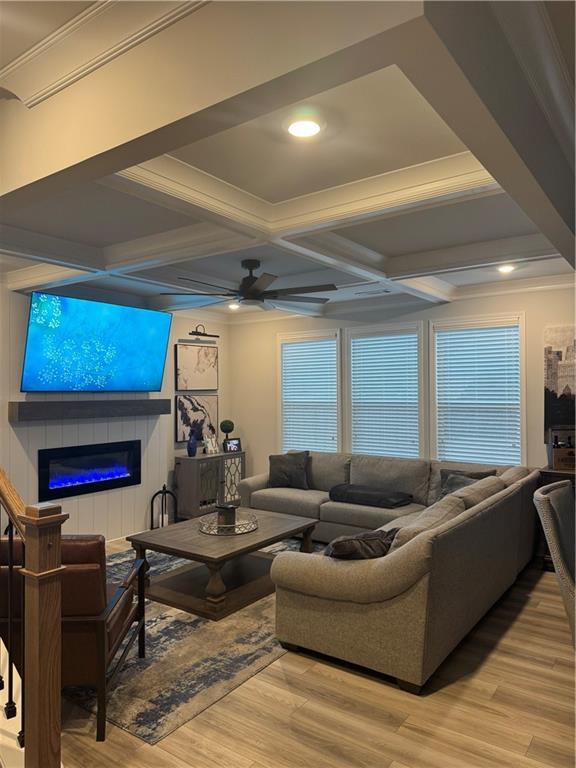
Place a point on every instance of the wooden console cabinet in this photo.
(203, 481)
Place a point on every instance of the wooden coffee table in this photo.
(227, 572)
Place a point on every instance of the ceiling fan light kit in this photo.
(254, 290)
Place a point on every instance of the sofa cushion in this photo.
(362, 516)
(289, 470)
(361, 546)
(453, 479)
(441, 512)
(404, 475)
(369, 496)
(325, 470)
(289, 501)
(436, 467)
(402, 522)
(514, 474)
(480, 490)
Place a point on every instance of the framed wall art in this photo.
(196, 367)
(196, 412)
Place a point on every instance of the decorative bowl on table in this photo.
(228, 520)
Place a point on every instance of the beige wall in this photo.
(253, 360)
(111, 513)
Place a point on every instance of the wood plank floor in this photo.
(503, 699)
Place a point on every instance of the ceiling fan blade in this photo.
(295, 309)
(189, 293)
(301, 289)
(300, 299)
(200, 282)
(262, 282)
(199, 299)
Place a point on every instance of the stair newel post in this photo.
(43, 634)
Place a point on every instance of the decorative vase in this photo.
(192, 445)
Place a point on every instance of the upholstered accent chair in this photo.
(555, 505)
(97, 615)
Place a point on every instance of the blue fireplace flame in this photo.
(87, 476)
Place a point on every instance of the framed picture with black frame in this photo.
(232, 445)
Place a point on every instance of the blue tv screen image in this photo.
(75, 345)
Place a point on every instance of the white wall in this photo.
(112, 513)
(253, 359)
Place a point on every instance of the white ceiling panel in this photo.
(444, 226)
(523, 270)
(96, 215)
(374, 124)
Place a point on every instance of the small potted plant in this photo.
(227, 426)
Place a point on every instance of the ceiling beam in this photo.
(462, 62)
(26, 244)
(333, 250)
(523, 248)
(428, 288)
(42, 277)
(210, 71)
(178, 245)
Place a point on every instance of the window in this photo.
(477, 393)
(309, 391)
(384, 394)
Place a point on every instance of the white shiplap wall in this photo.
(111, 513)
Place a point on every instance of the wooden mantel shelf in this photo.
(21, 411)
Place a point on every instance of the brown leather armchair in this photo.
(96, 616)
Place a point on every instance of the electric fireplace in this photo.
(76, 470)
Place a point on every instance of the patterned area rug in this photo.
(190, 662)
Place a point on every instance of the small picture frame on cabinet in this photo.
(232, 445)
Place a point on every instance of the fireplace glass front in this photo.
(76, 470)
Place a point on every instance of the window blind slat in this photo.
(478, 394)
(309, 371)
(384, 394)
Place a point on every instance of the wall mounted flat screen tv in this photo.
(75, 345)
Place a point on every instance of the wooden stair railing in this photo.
(39, 528)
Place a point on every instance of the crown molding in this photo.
(46, 248)
(458, 257)
(21, 76)
(425, 184)
(84, 17)
(44, 276)
(171, 177)
(184, 244)
(527, 285)
(416, 186)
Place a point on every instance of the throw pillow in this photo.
(480, 490)
(288, 470)
(361, 546)
(453, 479)
(369, 496)
(444, 510)
(514, 474)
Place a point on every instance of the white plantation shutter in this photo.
(478, 414)
(309, 371)
(384, 394)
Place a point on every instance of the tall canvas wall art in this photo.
(559, 376)
(196, 367)
(198, 412)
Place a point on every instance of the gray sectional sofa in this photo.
(402, 614)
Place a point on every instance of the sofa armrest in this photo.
(357, 581)
(247, 487)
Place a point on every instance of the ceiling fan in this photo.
(255, 290)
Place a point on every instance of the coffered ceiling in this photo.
(25, 24)
(372, 125)
(389, 201)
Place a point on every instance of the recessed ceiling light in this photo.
(304, 129)
(233, 305)
(506, 268)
